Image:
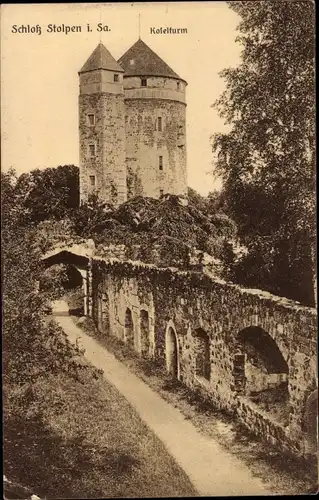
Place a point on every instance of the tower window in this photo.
(143, 82)
(159, 124)
(178, 85)
(92, 180)
(160, 162)
(91, 119)
(116, 78)
(92, 150)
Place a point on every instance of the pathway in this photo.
(212, 470)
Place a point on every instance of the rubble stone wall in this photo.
(184, 302)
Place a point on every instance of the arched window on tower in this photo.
(143, 82)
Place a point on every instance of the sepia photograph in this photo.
(159, 260)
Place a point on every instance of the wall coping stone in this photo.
(87, 248)
(261, 294)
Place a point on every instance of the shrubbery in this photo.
(147, 223)
(33, 347)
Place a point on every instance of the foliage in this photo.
(49, 193)
(212, 204)
(144, 225)
(52, 232)
(53, 279)
(31, 346)
(90, 217)
(57, 439)
(267, 160)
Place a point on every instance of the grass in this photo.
(82, 439)
(282, 473)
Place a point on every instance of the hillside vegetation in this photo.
(67, 433)
(168, 225)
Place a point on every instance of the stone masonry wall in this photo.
(108, 136)
(188, 301)
(144, 145)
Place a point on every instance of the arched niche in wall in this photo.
(201, 346)
(172, 351)
(129, 328)
(145, 333)
(261, 372)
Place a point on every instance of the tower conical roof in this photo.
(101, 58)
(140, 60)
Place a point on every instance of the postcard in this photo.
(159, 249)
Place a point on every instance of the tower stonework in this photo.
(102, 128)
(155, 124)
(139, 126)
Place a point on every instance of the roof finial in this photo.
(139, 26)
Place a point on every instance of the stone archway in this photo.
(77, 278)
(171, 351)
(65, 282)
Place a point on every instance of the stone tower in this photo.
(132, 125)
(155, 124)
(102, 128)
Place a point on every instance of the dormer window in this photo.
(91, 119)
(143, 82)
(178, 85)
(116, 78)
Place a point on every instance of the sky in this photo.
(39, 83)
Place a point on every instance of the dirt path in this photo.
(212, 470)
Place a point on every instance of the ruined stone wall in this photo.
(107, 134)
(145, 143)
(188, 301)
(122, 296)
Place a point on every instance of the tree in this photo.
(91, 216)
(31, 347)
(199, 201)
(267, 160)
(49, 193)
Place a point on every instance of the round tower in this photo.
(155, 124)
(102, 128)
